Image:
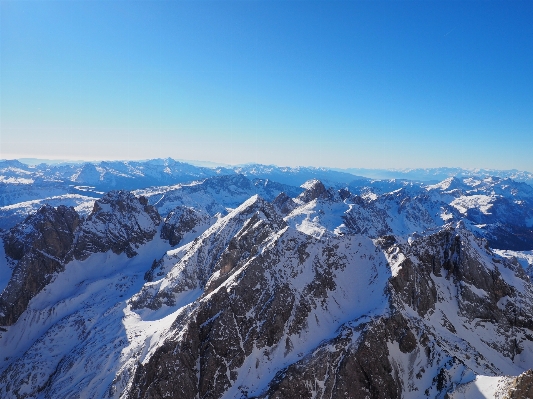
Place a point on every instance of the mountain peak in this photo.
(119, 222)
(314, 189)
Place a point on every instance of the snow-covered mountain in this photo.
(238, 286)
(438, 174)
(25, 188)
(131, 175)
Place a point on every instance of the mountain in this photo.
(438, 174)
(295, 176)
(105, 175)
(109, 175)
(216, 194)
(24, 188)
(322, 292)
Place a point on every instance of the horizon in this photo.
(369, 85)
(210, 164)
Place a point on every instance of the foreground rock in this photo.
(396, 336)
(39, 246)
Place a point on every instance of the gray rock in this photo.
(40, 245)
(521, 387)
(119, 222)
(183, 220)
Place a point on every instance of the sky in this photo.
(345, 84)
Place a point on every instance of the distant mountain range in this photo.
(140, 174)
(438, 174)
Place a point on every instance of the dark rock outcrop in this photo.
(119, 222)
(40, 245)
(251, 310)
(521, 387)
(215, 253)
(180, 221)
(355, 364)
(314, 189)
(284, 204)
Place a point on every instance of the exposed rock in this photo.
(355, 365)
(202, 261)
(284, 204)
(119, 222)
(314, 189)
(251, 313)
(39, 244)
(384, 303)
(183, 220)
(521, 387)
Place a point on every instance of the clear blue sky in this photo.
(387, 84)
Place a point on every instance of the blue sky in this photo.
(386, 84)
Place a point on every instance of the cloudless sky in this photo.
(385, 84)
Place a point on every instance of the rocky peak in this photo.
(521, 386)
(284, 204)
(234, 237)
(344, 193)
(119, 222)
(183, 220)
(246, 244)
(40, 245)
(256, 205)
(49, 228)
(314, 189)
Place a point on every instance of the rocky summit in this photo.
(238, 288)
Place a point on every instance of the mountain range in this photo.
(160, 279)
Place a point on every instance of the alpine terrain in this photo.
(160, 279)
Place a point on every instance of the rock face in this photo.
(183, 220)
(119, 222)
(314, 189)
(39, 245)
(434, 292)
(521, 386)
(251, 320)
(202, 259)
(355, 364)
(284, 204)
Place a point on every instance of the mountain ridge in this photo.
(231, 288)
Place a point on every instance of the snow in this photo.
(395, 260)
(15, 180)
(317, 218)
(482, 202)
(359, 292)
(524, 258)
(83, 312)
(18, 212)
(483, 387)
